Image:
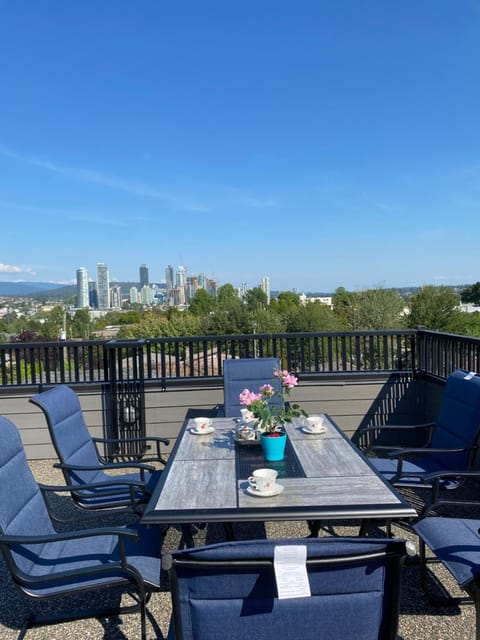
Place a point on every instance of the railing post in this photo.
(125, 398)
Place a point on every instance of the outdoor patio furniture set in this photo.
(258, 588)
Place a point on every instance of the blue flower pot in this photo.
(273, 448)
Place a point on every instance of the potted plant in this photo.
(270, 419)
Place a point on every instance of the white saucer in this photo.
(277, 490)
(317, 432)
(203, 432)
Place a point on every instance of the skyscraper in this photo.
(143, 275)
(169, 282)
(265, 287)
(82, 288)
(103, 286)
(116, 296)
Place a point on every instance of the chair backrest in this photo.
(22, 508)
(229, 590)
(247, 373)
(458, 422)
(68, 431)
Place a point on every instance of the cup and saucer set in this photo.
(314, 425)
(263, 484)
(203, 426)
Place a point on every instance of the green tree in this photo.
(344, 307)
(434, 307)
(202, 303)
(227, 298)
(471, 294)
(256, 299)
(313, 316)
(377, 309)
(466, 324)
(80, 324)
(54, 321)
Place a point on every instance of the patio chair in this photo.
(46, 565)
(230, 590)
(82, 464)
(247, 373)
(454, 541)
(450, 444)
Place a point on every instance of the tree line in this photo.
(433, 307)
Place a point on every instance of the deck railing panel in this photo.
(201, 357)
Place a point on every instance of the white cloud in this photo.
(9, 268)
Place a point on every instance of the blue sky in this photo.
(322, 143)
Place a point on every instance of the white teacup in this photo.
(247, 415)
(202, 424)
(263, 480)
(315, 423)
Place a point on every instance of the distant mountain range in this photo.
(26, 288)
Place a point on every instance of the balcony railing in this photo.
(165, 359)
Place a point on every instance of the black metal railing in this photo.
(438, 354)
(201, 357)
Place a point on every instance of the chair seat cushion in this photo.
(456, 542)
(88, 497)
(387, 467)
(91, 552)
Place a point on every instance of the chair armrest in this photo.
(392, 435)
(69, 488)
(137, 492)
(69, 535)
(424, 425)
(118, 568)
(401, 453)
(140, 466)
(452, 474)
(438, 480)
(157, 440)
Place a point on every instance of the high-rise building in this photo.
(82, 288)
(192, 287)
(92, 294)
(146, 295)
(265, 287)
(133, 295)
(116, 297)
(143, 276)
(103, 286)
(169, 282)
(181, 276)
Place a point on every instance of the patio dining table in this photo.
(324, 476)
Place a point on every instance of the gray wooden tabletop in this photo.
(202, 480)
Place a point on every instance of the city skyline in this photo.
(318, 142)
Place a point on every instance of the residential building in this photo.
(116, 297)
(265, 287)
(83, 300)
(103, 286)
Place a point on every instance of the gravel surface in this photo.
(419, 620)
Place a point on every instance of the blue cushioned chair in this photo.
(247, 373)
(452, 440)
(82, 464)
(46, 564)
(229, 590)
(455, 542)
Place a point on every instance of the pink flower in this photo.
(289, 381)
(247, 397)
(267, 390)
